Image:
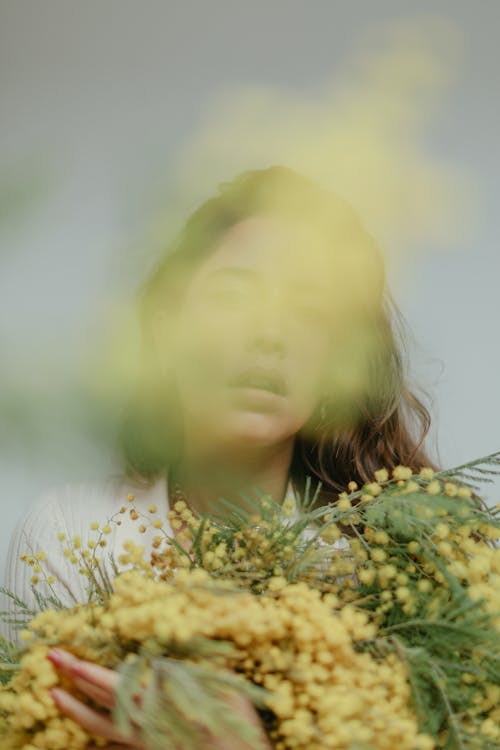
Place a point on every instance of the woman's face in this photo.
(253, 334)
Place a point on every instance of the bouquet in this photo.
(366, 624)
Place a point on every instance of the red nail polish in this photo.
(55, 657)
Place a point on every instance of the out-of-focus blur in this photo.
(119, 121)
(365, 130)
(362, 137)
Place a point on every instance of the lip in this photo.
(266, 379)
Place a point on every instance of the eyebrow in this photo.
(248, 274)
(235, 272)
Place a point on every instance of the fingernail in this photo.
(55, 657)
(60, 658)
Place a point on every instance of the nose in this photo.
(268, 342)
(267, 333)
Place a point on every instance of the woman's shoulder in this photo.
(79, 501)
(60, 513)
(69, 508)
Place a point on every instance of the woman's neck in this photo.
(204, 477)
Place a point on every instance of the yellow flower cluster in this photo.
(404, 577)
(31, 719)
(294, 642)
(299, 615)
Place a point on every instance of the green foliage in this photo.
(449, 640)
(181, 703)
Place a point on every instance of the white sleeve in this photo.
(36, 532)
(70, 509)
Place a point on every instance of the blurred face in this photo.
(253, 334)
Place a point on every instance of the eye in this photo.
(228, 296)
(310, 311)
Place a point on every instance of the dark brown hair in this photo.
(383, 426)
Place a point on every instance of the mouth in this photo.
(262, 379)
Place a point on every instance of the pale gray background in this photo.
(95, 100)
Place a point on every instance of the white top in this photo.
(70, 509)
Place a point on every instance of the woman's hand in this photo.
(100, 684)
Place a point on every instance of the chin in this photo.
(257, 429)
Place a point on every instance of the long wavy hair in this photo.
(383, 426)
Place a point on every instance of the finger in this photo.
(243, 706)
(244, 709)
(98, 682)
(101, 696)
(95, 681)
(92, 721)
(101, 681)
(100, 676)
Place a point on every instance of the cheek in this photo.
(206, 331)
(309, 357)
(204, 352)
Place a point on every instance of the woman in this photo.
(269, 356)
